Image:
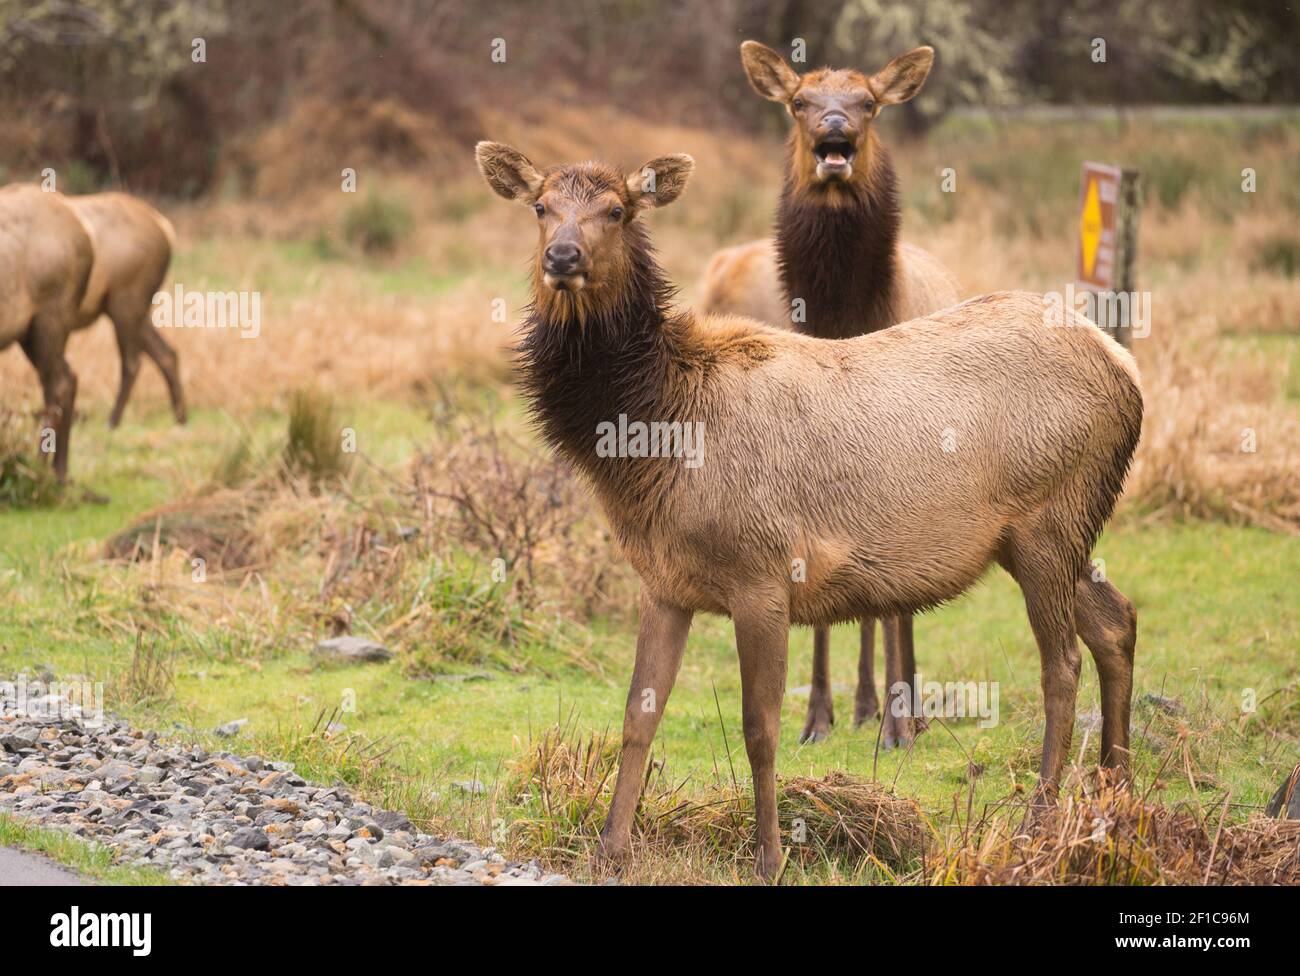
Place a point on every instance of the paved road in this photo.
(22, 868)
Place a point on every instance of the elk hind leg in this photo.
(821, 700)
(1107, 623)
(1044, 566)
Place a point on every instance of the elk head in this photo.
(586, 212)
(832, 109)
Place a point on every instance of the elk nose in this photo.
(562, 257)
(835, 121)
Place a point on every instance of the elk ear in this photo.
(903, 77)
(508, 171)
(660, 181)
(768, 73)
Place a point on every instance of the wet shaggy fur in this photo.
(45, 263)
(833, 452)
(897, 466)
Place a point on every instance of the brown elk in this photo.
(837, 252)
(133, 246)
(823, 451)
(46, 257)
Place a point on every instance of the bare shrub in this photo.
(517, 503)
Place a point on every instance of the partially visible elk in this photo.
(46, 257)
(133, 245)
(825, 451)
(837, 252)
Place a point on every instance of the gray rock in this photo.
(1170, 706)
(231, 728)
(350, 650)
(250, 839)
(176, 808)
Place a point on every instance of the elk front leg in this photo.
(762, 642)
(661, 638)
(44, 346)
(821, 700)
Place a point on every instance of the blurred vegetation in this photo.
(119, 85)
(378, 223)
(26, 479)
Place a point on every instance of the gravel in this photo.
(221, 818)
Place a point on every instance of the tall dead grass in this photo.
(1220, 439)
(482, 549)
(563, 781)
(1099, 832)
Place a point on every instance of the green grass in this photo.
(93, 862)
(1217, 616)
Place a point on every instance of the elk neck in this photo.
(837, 247)
(585, 359)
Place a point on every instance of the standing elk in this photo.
(45, 262)
(133, 245)
(837, 249)
(826, 451)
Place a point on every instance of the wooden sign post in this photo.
(1107, 265)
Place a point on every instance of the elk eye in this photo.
(616, 213)
(868, 105)
(797, 104)
(539, 209)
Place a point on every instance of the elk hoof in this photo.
(865, 711)
(898, 733)
(611, 854)
(767, 864)
(817, 728)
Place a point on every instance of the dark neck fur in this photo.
(577, 373)
(841, 259)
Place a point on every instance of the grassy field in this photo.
(1205, 545)
(1219, 630)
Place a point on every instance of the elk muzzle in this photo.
(835, 144)
(564, 264)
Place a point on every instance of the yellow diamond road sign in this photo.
(1090, 226)
(1098, 212)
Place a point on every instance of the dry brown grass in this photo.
(1102, 833)
(564, 781)
(483, 546)
(841, 828)
(356, 326)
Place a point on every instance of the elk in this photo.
(133, 246)
(46, 258)
(824, 451)
(837, 250)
